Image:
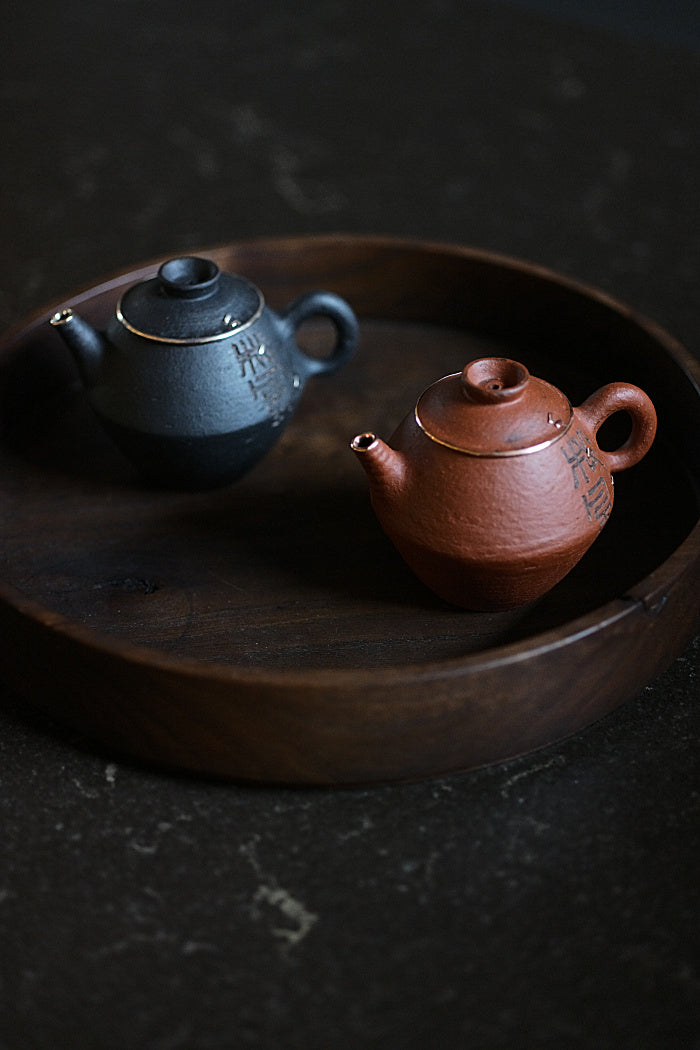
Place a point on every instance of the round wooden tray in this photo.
(268, 631)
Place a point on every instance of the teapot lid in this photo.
(190, 301)
(494, 407)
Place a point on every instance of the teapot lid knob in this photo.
(494, 380)
(189, 277)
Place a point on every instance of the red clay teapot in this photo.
(494, 487)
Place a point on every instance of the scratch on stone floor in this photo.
(133, 941)
(274, 896)
(194, 947)
(87, 792)
(366, 824)
(291, 908)
(145, 849)
(288, 161)
(558, 760)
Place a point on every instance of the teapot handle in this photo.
(622, 397)
(324, 304)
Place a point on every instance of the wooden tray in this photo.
(268, 631)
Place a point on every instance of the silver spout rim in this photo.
(363, 442)
(62, 317)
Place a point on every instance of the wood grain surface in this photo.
(268, 630)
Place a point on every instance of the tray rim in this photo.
(620, 607)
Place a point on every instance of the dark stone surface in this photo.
(548, 902)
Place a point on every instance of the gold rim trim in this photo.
(498, 453)
(230, 333)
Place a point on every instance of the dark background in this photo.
(548, 902)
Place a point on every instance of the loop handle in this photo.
(622, 397)
(324, 304)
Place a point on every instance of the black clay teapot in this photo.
(195, 377)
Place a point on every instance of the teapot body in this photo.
(197, 415)
(496, 532)
(494, 487)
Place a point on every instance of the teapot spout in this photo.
(384, 466)
(85, 343)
